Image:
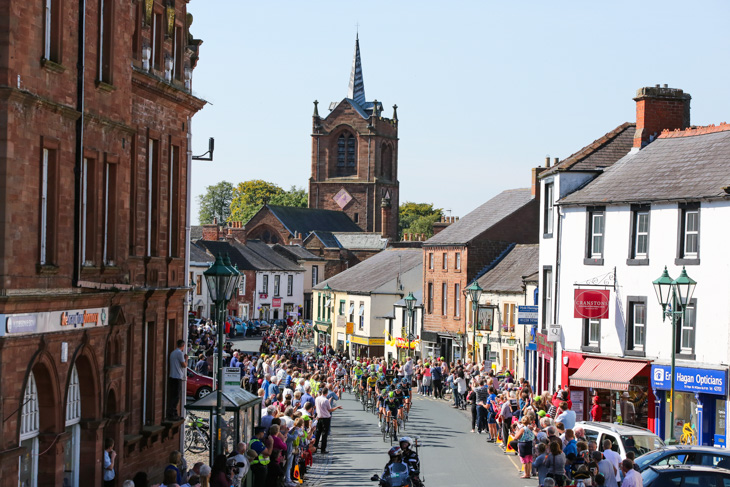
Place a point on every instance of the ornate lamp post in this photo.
(222, 279)
(410, 305)
(674, 296)
(475, 292)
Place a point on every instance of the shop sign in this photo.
(340, 337)
(367, 341)
(527, 315)
(553, 333)
(29, 323)
(263, 296)
(591, 303)
(341, 321)
(544, 347)
(231, 379)
(276, 302)
(350, 328)
(688, 379)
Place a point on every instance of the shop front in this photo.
(323, 332)
(699, 404)
(367, 347)
(622, 388)
(544, 364)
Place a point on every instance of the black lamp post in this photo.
(475, 292)
(222, 279)
(410, 306)
(674, 296)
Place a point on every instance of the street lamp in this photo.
(410, 305)
(327, 301)
(674, 296)
(475, 292)
(222, 279)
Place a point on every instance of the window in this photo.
(73, 428)
(689, 234)
(639, 235)
(277, 284)
(106, 35)
(148, 401)
(341, 309)
(346, 155)
(591, 335)
(152, 195)
(457, 300)
(265, 284)
(636, 329)
(686, 331)
(315, 275)
(242, 285)
(352, 311)
(361, 323)
(430, 260)
(88, 211)
(174, 207)
(198, 285)
(547, 217)
(390, 327)
(52, 31)
(29, 432)
(178, 49)
(137, 37)
(158, 32)
(445, 261)
(289, 285)
(319, 306)
(110, 211)
(547, 296)
(48, 219)
(444, 298)
(457, 262)
(430, 298)
(596, 221)
(508, 318)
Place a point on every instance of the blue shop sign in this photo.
(688, 379)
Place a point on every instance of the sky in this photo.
(485, 90)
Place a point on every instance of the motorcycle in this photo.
(399, 477)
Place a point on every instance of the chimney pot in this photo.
(555, 161)
(547, 161)
(659, 108)
(665, 85)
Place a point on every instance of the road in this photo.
(450, 454)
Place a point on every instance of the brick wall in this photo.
(660, 108)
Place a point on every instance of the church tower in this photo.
(355, 159)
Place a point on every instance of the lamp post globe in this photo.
(663, 288)
(685, 287)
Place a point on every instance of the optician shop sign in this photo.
(31, 323)
(688, 379)
(591, 303)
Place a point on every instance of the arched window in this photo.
(346, 155)
(73, 428)
(386, 162)
(29, 430)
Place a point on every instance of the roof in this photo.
(375, 271)
(296, 252)
(215, 247)
(306, 220)
(327, 239)
(599, 154)
(507, 275)
(196, 232)
(252, 256)
(198, 254)
(361, 240)
(256, 249)
(482, 218)
(668, 169)
(356, 89)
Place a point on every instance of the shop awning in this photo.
(599, 373)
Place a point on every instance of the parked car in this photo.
(685, 476)
(198, 385)
(625, 437)
(685, 455)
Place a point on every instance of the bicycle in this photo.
(197, 435)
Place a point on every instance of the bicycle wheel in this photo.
(198, 441)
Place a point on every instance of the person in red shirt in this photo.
(596, 410)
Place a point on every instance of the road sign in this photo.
(554, 333)
(527, 315)
(231, 379)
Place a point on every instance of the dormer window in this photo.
(346, 155)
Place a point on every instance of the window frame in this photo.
(591, 257)
(430, 261)
(445, 261)
(198, 285)
(290, 285)
(547, 296)
(634, 258)
(346, 144)
(444, 299)
(682, 257)
(52, 31)
(361, 316)
(687, 353)
(48, 218)
(630, 347)
(105, 47)
(457, 300)
(457, 261)
(277, 285)
(265, 284)
(548, 210)
(586, 344)
(430, 291)
(315, 275)
(242, 285)
(110, 210)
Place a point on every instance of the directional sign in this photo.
(527, 315)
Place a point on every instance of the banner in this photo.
(591, 303)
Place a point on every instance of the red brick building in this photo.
(355, 159)
(457, 255)
(94, 164)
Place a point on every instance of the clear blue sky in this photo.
(485, 90)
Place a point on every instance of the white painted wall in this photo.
(297, 297)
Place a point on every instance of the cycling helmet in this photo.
(391, 394)
(404, 439)
(395, 451)
(400, 386)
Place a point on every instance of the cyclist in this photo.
(356, 374)
(372, 380)
(406, 397)
(392, 408)
(410, 458)
(382, 393)
(364, 383)
(339, 376)
(400, 396)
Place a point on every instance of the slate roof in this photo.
(306, 220)
(372, 273)
(199, 255)
(599, 154)
(295, 252)
(507, 275)
(482, 218)
(253, 256)
(219, 246)
(327, 239)
(263, 251)
(675, 168)
(361, 240)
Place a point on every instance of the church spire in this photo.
(356, 90)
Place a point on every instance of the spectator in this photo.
(109, 456)
(324, 416)
(567, 417)
(632, 478)
(176, 380)
(614, 458)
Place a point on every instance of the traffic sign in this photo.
(527, 315)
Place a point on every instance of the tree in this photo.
(294, 197)
(215, 203)
(249, 196)
(417, 218)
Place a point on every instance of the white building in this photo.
(402, 323)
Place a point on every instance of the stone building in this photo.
(96, 105)
(355, 159)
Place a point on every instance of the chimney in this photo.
(210, 231)
(657, 109)
(547, 161)
(297, 240)
(535, 188)
(237, 231)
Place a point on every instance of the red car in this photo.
(198, 385)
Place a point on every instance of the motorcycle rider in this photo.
(410, 457)
(396, 472)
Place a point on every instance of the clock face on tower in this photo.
(342, 198)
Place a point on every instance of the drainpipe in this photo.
(556, 290)
(189, 292)
(80, 107)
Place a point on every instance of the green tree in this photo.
(249, 196)
(294, 197)
(417, 218)
(215, 203)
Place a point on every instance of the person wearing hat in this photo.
(259, 466)
(395, 467)
(628, 411)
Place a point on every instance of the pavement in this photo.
(450, 454)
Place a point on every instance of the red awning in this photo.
(600, 373)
